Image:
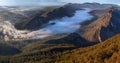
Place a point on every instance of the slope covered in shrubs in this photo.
(105, 52)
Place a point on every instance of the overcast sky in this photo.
(52, 2)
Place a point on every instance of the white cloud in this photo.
(29, 2)
(99, 1)
(52, 2)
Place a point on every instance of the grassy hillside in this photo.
(105, 52)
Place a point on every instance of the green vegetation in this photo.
(105, 52)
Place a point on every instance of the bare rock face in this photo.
(92, 31)
(113, 27)
(102, 28)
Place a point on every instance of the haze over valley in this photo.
(59, 31)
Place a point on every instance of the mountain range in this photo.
(73, 33)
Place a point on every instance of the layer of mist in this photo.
(65, 25)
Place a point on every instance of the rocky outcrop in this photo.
(92, 32)
(113, 27)
(103, 28)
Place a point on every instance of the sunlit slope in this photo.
(105, 52)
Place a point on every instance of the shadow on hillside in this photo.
(6, 50)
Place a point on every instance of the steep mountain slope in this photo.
(105, 52)
(8, 50)
(104, 27)
(113, 27)
(92, 31)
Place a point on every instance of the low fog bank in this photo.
(66, 24)
(30, 3)
(51, 2)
